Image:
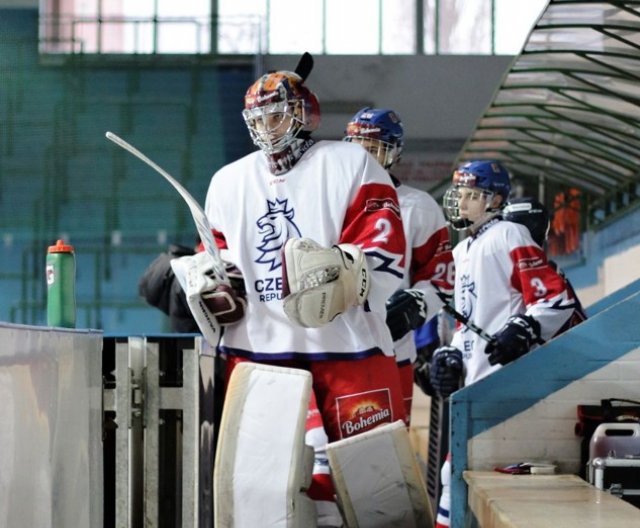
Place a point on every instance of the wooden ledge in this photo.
(540, 501)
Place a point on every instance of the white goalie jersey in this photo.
(335, 194)
(501, 271)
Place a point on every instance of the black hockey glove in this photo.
(513, 340)
(406, 311)
(445, 370)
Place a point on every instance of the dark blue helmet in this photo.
(530, 213)
(380, 131)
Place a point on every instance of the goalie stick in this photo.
(304, 66)
(199, 216)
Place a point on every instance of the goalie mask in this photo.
(278, 109)
(379, 131)
(479, 189)
(531, 214)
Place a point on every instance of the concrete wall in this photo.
(545, 431)
(438, 97)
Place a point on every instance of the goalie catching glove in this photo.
(212, 302)
(319, 283)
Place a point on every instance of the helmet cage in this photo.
(451, 204)
(386, 153)
(379, 131)
(265, 123)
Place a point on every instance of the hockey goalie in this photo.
(313, 232)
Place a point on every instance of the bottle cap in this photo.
(60, 247)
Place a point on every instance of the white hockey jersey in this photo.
(501, 271)
(336, 193)
(429, 261)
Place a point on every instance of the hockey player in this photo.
(315, 229)
(429, 263)
(536, 218)
(503, 284)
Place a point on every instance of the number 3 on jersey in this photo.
(540, 289)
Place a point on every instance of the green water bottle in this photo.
(61, 285)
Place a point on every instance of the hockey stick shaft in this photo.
(465, 321)
(199, 216)
(470, 325)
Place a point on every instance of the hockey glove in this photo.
(422, 367)
(445, 370)
(513, 340)
(320, 283)
(406, 311)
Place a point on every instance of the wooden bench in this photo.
(535, 501)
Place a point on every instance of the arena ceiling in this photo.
(567, 112)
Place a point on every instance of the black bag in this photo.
(590, 417)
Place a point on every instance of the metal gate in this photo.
(158, 432)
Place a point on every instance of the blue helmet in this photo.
(380, 131)
(487, 176)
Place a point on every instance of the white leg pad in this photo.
(378, 481)
(263, 468)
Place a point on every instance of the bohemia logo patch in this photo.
(361, 412)
(376, 204)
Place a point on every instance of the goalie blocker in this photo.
(320, 283)
(213, 303)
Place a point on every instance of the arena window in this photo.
(369, 27)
